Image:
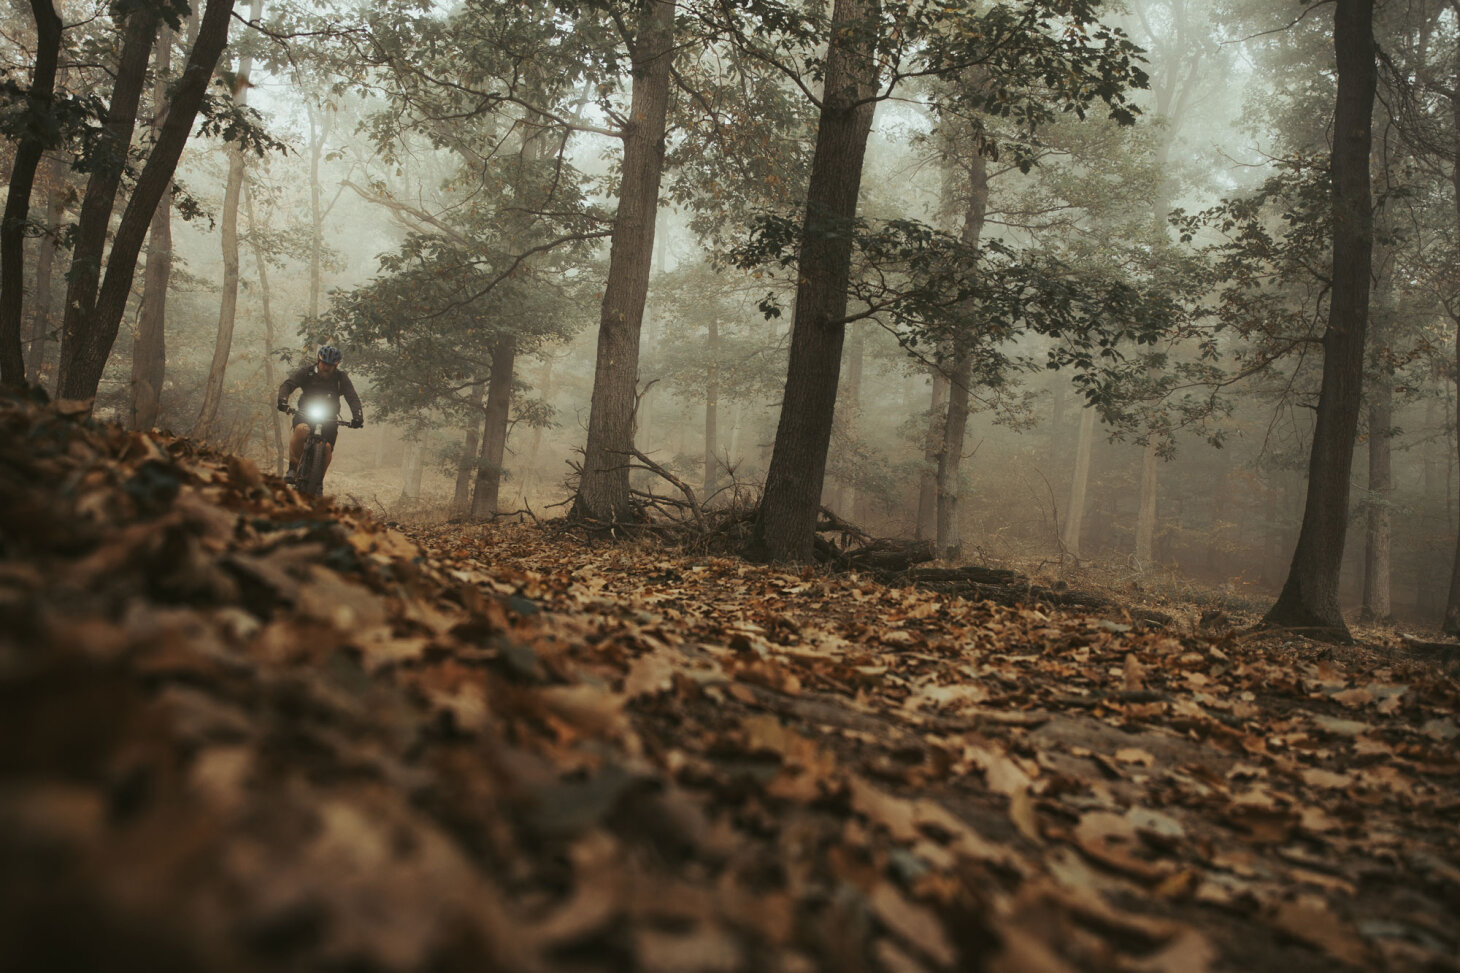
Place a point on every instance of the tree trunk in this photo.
(932, 450)
(413, 466)
(950, 458)
(1075, 515)
(262, 267)
(45, 262)
(1146, 517)
(149, 350)
(1309, 598)
(92, 322)
(317, 134)
(494, 434)
(100, 198)
(28, 149)
(712, 407)
(853, 355)
(603, 487)
(228, 305)
(466, 466)
(785, 526)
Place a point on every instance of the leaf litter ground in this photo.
(247, 732)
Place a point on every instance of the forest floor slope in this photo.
(245, 732)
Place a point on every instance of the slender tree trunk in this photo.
(265, 299)
(1146, 517)
(1079, 479)
(535, 447)
(466, 466)
(149, 350)
(932, 450)
(1309, 598)
(45, 262)
(785, 526)
(1379, 538)
(712, 406)
(853, 355)
(31, 144)
(494, 434)
(603, 487)
(228, 305)
(92, 322)
(413, 466)
(950, 458)
(318, 132)
(100, 198)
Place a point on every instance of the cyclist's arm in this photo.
(352, 398)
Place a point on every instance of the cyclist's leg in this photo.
(296, 442)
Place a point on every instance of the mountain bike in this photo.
(309, 478)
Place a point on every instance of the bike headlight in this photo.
(317, 412)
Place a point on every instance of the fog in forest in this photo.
(432, 190)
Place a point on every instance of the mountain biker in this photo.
(323, 381)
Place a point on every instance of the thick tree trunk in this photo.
(32, 143)
(92, 324)
(228, 304)
(494, 434)
(785, 526)
(1451, 624)
(413, 466)
(603, 487)
(932, 449)
(45, 262)
(471, 440)
(149, 350)
(1079, 478)
(1309, 598)
(79, 318)
(712, 407)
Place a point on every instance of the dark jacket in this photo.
(317, 387)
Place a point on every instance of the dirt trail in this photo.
(246, 733)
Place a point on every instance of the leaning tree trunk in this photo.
(932, 449)
(603, 486)
(494, 433)
(32, 142)
(89, 243)
(45, 262)
(91, 331)
(1075, 515)
(467, 464)
(785, 526)
(149, 350)
(228, 305)
(1309, 598)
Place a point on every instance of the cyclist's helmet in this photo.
(330, 355)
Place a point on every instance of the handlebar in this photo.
(337, 420)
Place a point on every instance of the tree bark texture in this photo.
(1309, 598)
(91, 331)
(467, 465)
(950, 458)
(228, 303)
(100, 196)
(149, 350)
(45, 262)
(494, 434)
(785, 526)
(603, 487)
(848, 497)
(932, 449)
(1079, 479)
(28, 150)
